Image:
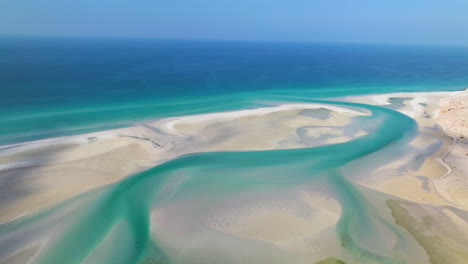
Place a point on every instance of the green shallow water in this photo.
(116, 223)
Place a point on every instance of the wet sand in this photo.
(38, 174)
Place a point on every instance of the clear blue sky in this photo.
(388, 21)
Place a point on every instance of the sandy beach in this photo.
(425, 189)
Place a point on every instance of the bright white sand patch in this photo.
(170, 123)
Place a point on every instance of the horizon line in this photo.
(297, 41)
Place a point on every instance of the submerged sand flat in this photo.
(403, 202)
(41, 173)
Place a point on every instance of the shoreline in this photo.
(186, 134)
(376, 98)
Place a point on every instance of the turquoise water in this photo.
(121, 212)
(55, 87)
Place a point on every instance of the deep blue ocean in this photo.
(61, 86)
